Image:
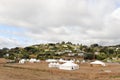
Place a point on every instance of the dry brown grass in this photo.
(40, 71)
(3, 60)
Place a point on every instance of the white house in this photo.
(69, 66)
(71, 54)
(81, 54)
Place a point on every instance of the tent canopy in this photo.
(69, 66)
(51, 60)
(98, 62)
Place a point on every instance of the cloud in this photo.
(44, 13)
(85, 21)
(8, 43)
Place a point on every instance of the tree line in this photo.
(61, 50)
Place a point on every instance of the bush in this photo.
(89, 56)
(101, 56)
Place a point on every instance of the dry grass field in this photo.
(40, 71)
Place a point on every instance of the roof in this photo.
(98, 62)
(69, 63)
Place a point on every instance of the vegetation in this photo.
(63, 50)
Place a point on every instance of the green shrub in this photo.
(101, 56)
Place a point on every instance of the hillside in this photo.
(65, 50)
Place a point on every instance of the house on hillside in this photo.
(71, 54)
(59, 53)
(68, 51)
(80, 54)
(97, 53)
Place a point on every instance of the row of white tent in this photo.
(60, 60)
(98, 63)
(63, 61)
(83, 61)
(32, 60)
(55, 65)
(69, 65)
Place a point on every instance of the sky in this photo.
(29, 22)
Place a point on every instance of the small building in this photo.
(71, 54)
(81, 54)
(97, 53)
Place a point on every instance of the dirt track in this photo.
(40, 71)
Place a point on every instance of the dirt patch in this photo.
(3, 60)
(40, 71)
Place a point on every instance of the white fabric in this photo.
(51, 60)
(22, 61)
(98, 62)
(32, 60)
(56, 65)
(37, 60)
(63, 61)
(69, 66)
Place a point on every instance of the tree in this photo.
(101, 56)
(110, 51)
(94, 45)
(3, 52)
(69, 43)
(63, 42)
(32, 56)
(89, 56)
(118, 55)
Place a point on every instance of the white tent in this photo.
(98, 63)
(32, 60)
(69, 66)
(54, 65)
(51, 60)
(63, 61)
(22, 61)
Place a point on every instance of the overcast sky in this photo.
(28, 22)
